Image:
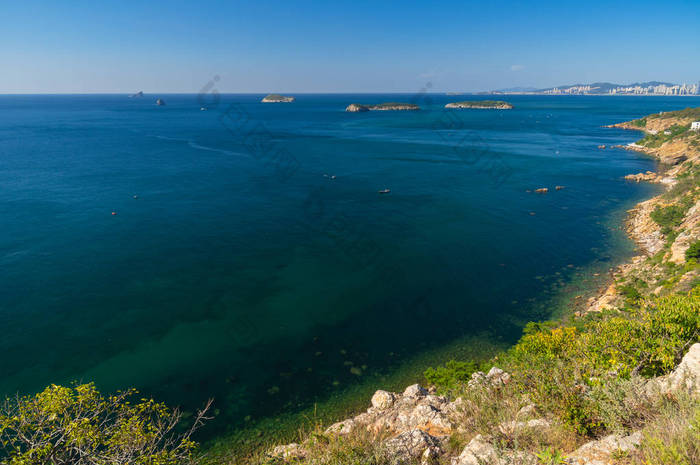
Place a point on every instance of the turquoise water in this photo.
(235, 266)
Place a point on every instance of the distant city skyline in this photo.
(361, 46)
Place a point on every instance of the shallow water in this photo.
(235, 267)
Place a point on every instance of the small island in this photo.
(481, 105)
(390, 106)
(277, 98)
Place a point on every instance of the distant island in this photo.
(390, 106)
(277, 98)
(481, 105)
(607, 88)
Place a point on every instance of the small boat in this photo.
(385, 191)
(203, 109)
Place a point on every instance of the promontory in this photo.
(390, 106)
(481, 105)
(277, 98)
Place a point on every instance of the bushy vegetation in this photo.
(451, 376)
(78, 425)
(640, 123)
(673, 437)
(669, 217)
(583, 374)
(657, 140)
(692, 113)
(693, 251)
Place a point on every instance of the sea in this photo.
(274, 257)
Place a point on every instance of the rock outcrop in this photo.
(603, 451)
(277, 98)
(685, 376)
(391, 106)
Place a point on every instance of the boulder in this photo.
(600, 452)
(497, 376)
(481, 452)
(288, 452)
(409, 446)
(382, 400)
(415, 390)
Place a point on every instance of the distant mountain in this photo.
(517, 89)
(609, 88)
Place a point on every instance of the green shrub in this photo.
(562, 367)
(693, 252)
(451, 376)
(669, 217)
(79, 426)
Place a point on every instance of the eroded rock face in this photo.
(690, 233)
(600, 452)
(686, 375)
(645, 232)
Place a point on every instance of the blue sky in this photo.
(342, 46)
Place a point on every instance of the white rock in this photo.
(497, 376)
(382, 400)
(513, 426)
(289, 451)
(342, 427)
(415, 390)
(687, 373)
(409, 445)
(599, 452)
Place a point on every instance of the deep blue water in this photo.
(235, 267)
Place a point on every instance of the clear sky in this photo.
(342, 46)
